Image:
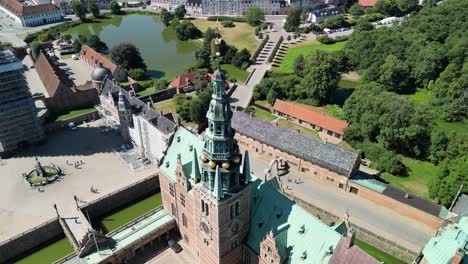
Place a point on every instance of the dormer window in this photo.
(302, 229)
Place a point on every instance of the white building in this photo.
(140, 125)
(31, 15)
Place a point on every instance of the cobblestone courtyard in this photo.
(23, 207)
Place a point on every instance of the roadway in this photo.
(362, 212)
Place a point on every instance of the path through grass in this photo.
(131, 212)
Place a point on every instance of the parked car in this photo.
(174, 246)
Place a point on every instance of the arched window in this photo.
(174, 211)
(184, 220)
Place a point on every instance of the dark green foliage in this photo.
(227, 23)
(183, 106)
(356, 10)
(321, 78)
(325, 39)
(96, 43)
(187, 30)
(93, 8)
(78, 9)
(199, 106)
(127, 56)
(254, 16)
(284, 88)
(166, 17)
(180, 12)
(394, 74)
(203, 56)
(221, 18)
(389, 119)
(275, 49)
(260, 48)
(160, 84)
(381, 158)
(454, 174)
(299, 65)
(35, 49)
(77, 46)
(53, 31)
(240, 58)
(293, 19)
(66, 37)
(114, 7)
(46, 36)
(210, 34)
(338, 21)
(137, 74)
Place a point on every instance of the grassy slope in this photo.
(131, 212)
(234, 72)
(306, 48)
(241, 36)
(378, 254)
(49, 253)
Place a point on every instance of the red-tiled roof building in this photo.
(367, 3)
(184, 82)
(311, 117)
(31, 15)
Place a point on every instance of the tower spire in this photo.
(195, 169)
(246, 176)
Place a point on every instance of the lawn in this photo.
(305, 49)
(146, 91)
(420, 174)
(166, 106)
(295, 127)
(234, 72)
(74, 113)
(421, 96)
(131, 212)
(241, 36)
(377, 253)
(461, 128)
(264, 115)
(50, 253)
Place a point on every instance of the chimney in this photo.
(457, 259)
(349, 239)
(150, 105)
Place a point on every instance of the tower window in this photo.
(237, 208)
(184, 220)
(174, 210)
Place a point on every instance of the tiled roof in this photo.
(305, 147)
(21, 10)
(50, 74)
(413, 200)
(162, 123)
(352, 255)
(186, 79)
(273, 212)
(310, 114)
(461, 205)
(367, 3)
(92, 55)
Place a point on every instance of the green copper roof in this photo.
(442, 248)
(370, 183)
(298, 233)
(180, 144)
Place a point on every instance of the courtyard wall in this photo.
(29, 239)
(121, 197)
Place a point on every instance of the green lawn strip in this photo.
(343, 83)
(291, 125)
(146, 91)
(74, 113)
(461, 128)
(264, 115)
(234, 72)
(377, 253)
(305, 49)
(129, 213)
(264, 104)
(166, 106)
(421, 96)
(420, 173)
(49, 253)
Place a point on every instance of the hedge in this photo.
(221, 18)
(260, 48)
(53, 31)
(273, 52)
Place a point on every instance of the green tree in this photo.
(78, 9)
(95, 42)
(293, 19)
(254, 15)
(77, 46)
(183, 103)
(166, 17)
(394, 75)
(240, 58)
(93, 8)
(137, 74)
(210, 34)
(35, 49)
(298, 65)
(66, 37)
(320, 78)
(338, 21)
(127, 56)
(203, 56)
(180, 12)
(356, 10)
(407, 6)
(227, 23)
(160, 84)
(187, 30)
(200, 105)
(114, 7)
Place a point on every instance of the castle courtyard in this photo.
(23, 207)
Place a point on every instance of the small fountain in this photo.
(42, 175)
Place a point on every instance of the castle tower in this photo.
(222, 194)
(125, 117)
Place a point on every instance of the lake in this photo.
(165, 55)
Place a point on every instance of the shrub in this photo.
(259, 49)
(221, 18)
(325, 39)
(227, 23)
(137, 74)
(273, 53)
